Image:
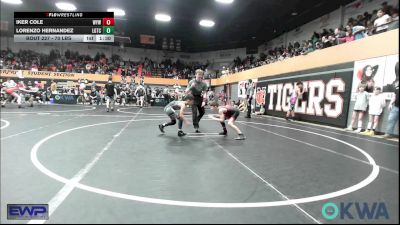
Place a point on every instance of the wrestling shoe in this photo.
(240, 137)
(349, 129)
(388, 136)
(225, 132)
(366, 132)
(181, 133)
(370, 133)
(161, 127)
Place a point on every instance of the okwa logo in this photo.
(374, 211)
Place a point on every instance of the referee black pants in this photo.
(197, 107)
(249, 100)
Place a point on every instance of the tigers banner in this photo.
(326, 98)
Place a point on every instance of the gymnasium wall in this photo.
(349, 52)
(326, 100)
(218, 58)
(304, 32)
(329, 97)
(330, 74)
(234, 92)
(369, 47)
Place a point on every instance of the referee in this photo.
(110, 95)
(199, 91)
(249, 93)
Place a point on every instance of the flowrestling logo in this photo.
(355, 210)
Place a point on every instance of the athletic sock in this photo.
(369, 125)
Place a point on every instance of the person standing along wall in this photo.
(249, 94)
(375, 108)
(140, 93)
(360, 107)
(393, 107)
(166, 94)
(53, 87)
(297, 94)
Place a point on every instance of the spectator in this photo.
(395, 20)
(328, 41)
(358, 31)
(318, 45)
(370, 28)
(349, 27)
(367, 17)
(166, 94)
(210, 95)
(315, 38)
(360, 19)
(242, 106)
(262, 109)
(386, 8)
(249, 96)
(340, 34)
(393, 105)
(394, 114)
(395, 14)
(53, 87)
(381, 23)
(349, 37)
